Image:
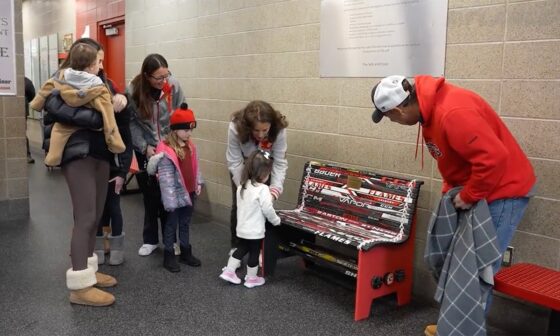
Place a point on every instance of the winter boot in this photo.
(99, 249)
(228, 272)
(188, 258)
(103, 280)
(170, 261)
(252, 279)
(430, 330)
(81, 291)
(116, 256)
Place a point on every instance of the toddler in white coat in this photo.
(254, 207)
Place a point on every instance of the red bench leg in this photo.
(364, 295)
(376, 263)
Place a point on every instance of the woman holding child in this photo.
(83, 150)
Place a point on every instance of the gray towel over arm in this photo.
(460, 250)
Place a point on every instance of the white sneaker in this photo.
(230, 276)
(177, 249)
(146, 249)
(253, 281)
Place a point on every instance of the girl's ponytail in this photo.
(257, 167)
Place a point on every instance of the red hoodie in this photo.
(471, 144)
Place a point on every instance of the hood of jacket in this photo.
(427, 88)
(81, 79)
(73, 95)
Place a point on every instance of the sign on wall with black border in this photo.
(8, 85)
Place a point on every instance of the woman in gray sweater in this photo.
(257, 126)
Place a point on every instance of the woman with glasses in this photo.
(154, 95)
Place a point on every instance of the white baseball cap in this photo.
(387, 95)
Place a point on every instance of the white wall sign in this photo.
(378, 38)
(8, 85)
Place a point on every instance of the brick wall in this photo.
(90, 12)
(14, 191)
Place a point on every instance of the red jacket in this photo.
(471, 144)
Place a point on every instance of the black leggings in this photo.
(153, 208)
(87, 182)
(233, 215)
(253, 246)
(112, 214)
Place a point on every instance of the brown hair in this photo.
(257, 167)
(258, 111)
(141, 85)
(89, 41)
(82, 56)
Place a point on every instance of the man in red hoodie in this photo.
(471, 144)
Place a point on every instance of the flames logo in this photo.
(434, 150)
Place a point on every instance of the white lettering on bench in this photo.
(351, 201)
(381, 207)
(332, 237)
(326, 173)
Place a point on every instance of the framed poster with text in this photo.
(378, 38)
(8, 84)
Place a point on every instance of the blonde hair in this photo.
(172, 140)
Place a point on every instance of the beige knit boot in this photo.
(81, 291)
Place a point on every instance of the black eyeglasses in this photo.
(162, 78)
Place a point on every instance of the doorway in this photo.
(111, 34)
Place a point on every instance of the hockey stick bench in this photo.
(356, 223)
(535, 284)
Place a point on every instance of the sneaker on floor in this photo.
(253, 281)
(146, 249)
(176, 249)
(430, 330)
(230, 276)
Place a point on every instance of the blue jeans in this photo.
(506, 214)
(181, 218)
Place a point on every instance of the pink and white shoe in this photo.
(253, 281)
(230, 276)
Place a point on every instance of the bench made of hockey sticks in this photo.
(356, 223)
(535, 284)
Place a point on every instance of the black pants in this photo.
(153, 208)
(233, 215)
(251, 246)
(112, 214)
